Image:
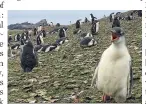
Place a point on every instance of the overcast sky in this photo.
(56, 16)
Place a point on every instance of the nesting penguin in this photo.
(15, 46)
(62, 40)
(116, 22)
(113, 75)
(88, 42)
(50, 47)
(83, 35)
(28, 57)
(95, 27)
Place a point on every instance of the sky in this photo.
(56, 16)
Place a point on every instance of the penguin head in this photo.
(117, 35)
(29, 43)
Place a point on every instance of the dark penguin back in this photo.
(28, 57)
(77, 24)
(85, 41)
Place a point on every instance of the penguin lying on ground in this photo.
(62, 40)
(83, 35)
(77, 31)
(15, 46)
(88, 42)
(50, 47)
(113, 75)
(28, 57)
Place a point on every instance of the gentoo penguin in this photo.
(40, 28)
(95, 27)
(17, 37)
(52, 24)
(50, 47)
(113, 75)
(83, 35)
(116, 22)
(77, 31)
(139, 13)
(111, 17)
(39, 39)
(28, 57)
(58, 25)
(35, 31)
(92, 18)
(86, 20)
(62, 33)
(62, 40)
(44, 33)
(10, 38)
(78, 24)
(88, 42)
(15, 46)
(38, 47)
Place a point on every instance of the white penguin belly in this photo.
(112, 74)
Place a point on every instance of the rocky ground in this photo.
(70, 70)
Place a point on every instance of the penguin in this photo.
(116, 22)
(86, 20)
(139, 13)
(10, 39)
(17, 37)
(28, 57)
(44, 33)
(88, 42)
(50, 47)
(38, 47)
(83, 35)
(113, 75)
(77, 31)
(62, 33)
(10, 54)
(52, 24)
(95, 27)
(92, 18)
(62, 40)
(34, 31)
(78, 24)
(111, 17)
(15, 46)
(58, 25)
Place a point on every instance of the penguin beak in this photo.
(114, 37)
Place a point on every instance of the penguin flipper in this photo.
(93, 83)
(130, 79)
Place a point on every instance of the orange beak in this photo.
(114, 37)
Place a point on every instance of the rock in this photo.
(32, 80)
(41, 92)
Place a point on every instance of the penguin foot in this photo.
(105, 98)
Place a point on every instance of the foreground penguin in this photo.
(113, 75)
(88, 42)
(28, 57)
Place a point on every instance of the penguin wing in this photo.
(130, 80)
(93, 83)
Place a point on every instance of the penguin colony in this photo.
(113, 74)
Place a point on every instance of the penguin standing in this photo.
(62, 33)
(34, 31)
(78, 24)
(10, 38)
(39, 42)
(17, 37)
(92, 18)
(139, 13)
(111, 17)
(116, 22)
(95, 27)
(113, 75)
(28, 57)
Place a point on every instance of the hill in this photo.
(70, 70)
